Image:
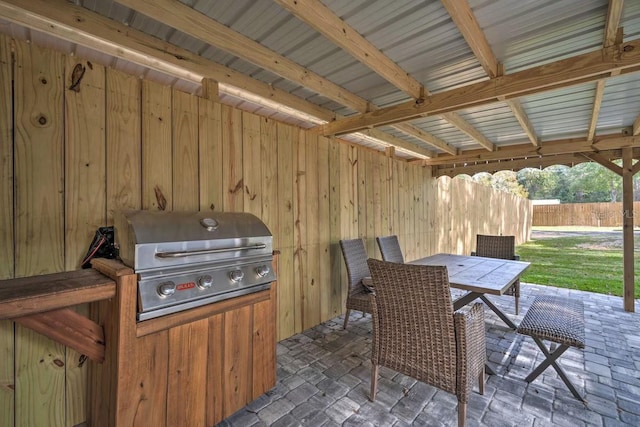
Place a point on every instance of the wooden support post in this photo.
(627, 226)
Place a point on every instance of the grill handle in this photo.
(183, 254)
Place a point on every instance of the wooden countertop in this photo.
(37, 294)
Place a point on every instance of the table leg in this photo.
(497, 311)
(551, 361)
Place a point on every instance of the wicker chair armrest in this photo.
(473, 253)
(471, 343)
(516, 257)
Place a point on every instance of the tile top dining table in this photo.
(478, 276)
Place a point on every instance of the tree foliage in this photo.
(502, 181)
(583, 183)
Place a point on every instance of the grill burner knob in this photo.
(236, 275)
(166, 289)
(205, 282)
(262, 270)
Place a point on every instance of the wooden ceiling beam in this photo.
(466, 127)
(426, 136)
(614, 13)
(523, 119)
(566, 72)
(81, 26)
(323, 20)
(398, 142)
(604, 161)
(465, 20)
(562, 146)
(514, 165)
(636, 126)
(189, 21)
(595, 112)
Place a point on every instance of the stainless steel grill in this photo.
(188, 259)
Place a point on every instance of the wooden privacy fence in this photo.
(69, 159)
(587, 214)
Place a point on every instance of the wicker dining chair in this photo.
(417, 333)
(355, 258)
(390, 249)
(503, 247)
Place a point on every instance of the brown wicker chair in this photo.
(355, 258)
(390, 249)
(416, 332)
(503, 247)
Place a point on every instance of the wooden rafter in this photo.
(604, 161)
(81, 26)
(611, 35)
(636, 126)
(397, 142)
(322, 19)
(426, 136)
(523, 119)
(597, 102)
(515, 165)
(614, 13)
(467, 128)
(189, 21)
(200, 26)
(568, 159)
(566, 72)
(562, 146)
(465, 20)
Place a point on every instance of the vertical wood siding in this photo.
(123, 143)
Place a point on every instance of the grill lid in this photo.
(158, 239)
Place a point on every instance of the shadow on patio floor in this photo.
(324, 373)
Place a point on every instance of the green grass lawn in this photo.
(588, 263)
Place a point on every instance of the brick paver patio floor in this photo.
(324, 373)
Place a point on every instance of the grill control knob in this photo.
(166, 289)
(205, 282)
(262, 270)
(236, 275)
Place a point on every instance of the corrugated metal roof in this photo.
(421, 37)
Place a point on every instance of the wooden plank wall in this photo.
(586, 214)
(121, 142)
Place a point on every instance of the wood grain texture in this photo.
(67, 327)
(324, 230)
(187, 385)
(263, 348)
(6, 162)
(39, 224)
(36, 294)
(186, 192)
(286, 293)
(123, 143)
(251, 164)
(215, 364)
(85, 153)
(7, 386)
(300, 272)
(38, 161)
(151, 379)
(269, 164)
(157, 167)
(232, 178)
(338, 278)
(210, 155)
(237, 356)
(312, 287)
